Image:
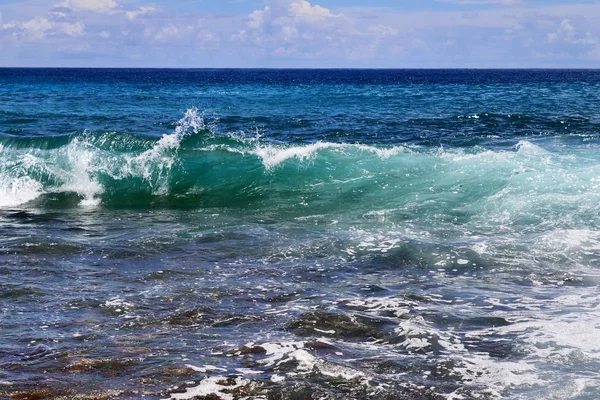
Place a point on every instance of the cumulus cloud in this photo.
(98, 6)
(290, 13)
(36, 27)
(257, 18)
(314, 13)
(303, 30)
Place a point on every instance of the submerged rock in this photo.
(107, 366)
(337, 325)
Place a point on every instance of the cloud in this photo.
(383, 30)
(314, 13)
(39, 28)
(132, 15)
(565, 32)
(36, 28)
(482, 2)
(76, 29)
(299, 29)
(172, 32)
(207, 39)
(257, 18)
(98, 6)
(305, 33)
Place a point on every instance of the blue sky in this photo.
(301, 33)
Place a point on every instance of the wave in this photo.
(195, 167)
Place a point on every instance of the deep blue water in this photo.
(299, 234)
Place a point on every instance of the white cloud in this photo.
(206, 39)
(39, 28)
(565, 32)
(172, 32)
(131, 15)
(299, 29)
(303, 9)
(57, 15)
(383, 30)
(258, 18)
(72, 29)
(99, 6)
(480, 2)
(307, 33)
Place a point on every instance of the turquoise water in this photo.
(289, 234)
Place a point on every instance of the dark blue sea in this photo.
(299, 234)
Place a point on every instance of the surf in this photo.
(195, 166)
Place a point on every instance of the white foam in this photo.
(82, 163)
(285, 351)
(398, 307)
(479, 372)
(561, 335)
(571, 389)
(155, 165)
(118, 303)
(14, 192)
(206, 368)
(571, 239)
(496, 376)
(526, 147)
(273, 155)
(211, 386)
(28, 173)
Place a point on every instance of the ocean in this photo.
(299, 234)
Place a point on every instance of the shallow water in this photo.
(299, 234)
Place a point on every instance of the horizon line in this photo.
(330, 68)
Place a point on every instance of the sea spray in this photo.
(81, 164)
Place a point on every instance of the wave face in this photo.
(300, 234)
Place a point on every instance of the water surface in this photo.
(299, 234)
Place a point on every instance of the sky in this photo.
(300, 33)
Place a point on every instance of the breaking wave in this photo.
(194, 167)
